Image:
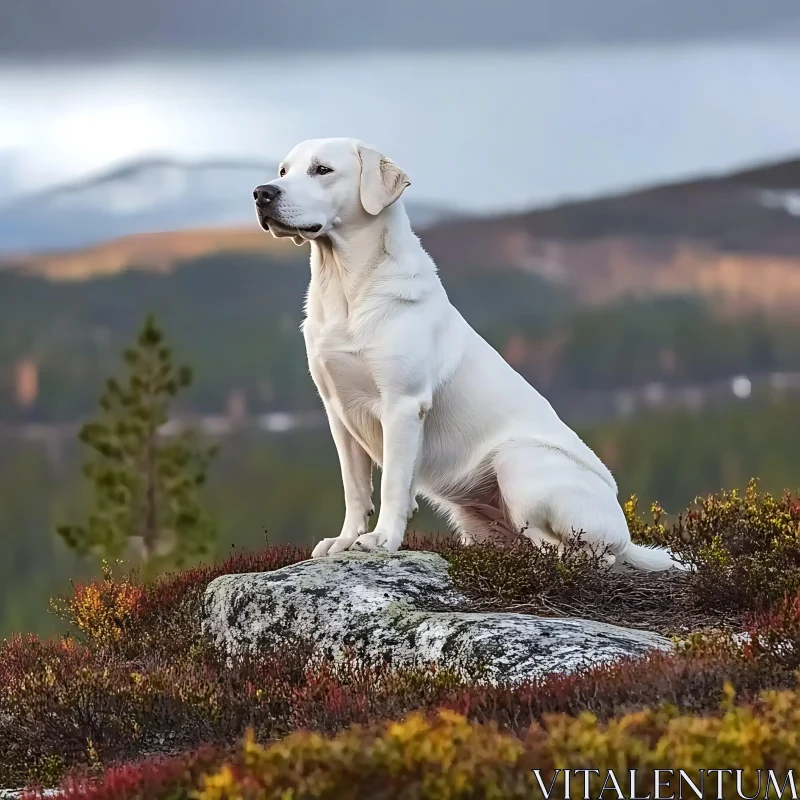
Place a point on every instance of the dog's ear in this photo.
(382, 181)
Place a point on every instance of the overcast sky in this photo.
(87, 29)
(626, 92)
(480, 131)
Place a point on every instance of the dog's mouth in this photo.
(284, 227)
(268, 223)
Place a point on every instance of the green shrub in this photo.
(744, 548)
(532, 578)
(445, 757)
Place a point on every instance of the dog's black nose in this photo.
(264, 195)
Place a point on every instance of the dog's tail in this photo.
(649, 559)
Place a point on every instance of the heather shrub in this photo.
(519, 570)
(774, 636)
(103, 611)
(130, 617)
(758, 737)
(65, 706)
(743, 550)
(532, 578)
(139, 678)
(170, 778)
(444, 756)
(744, 547)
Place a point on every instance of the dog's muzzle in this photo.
(265, 198)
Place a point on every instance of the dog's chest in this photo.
(339, 359)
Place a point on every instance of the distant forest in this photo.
(235, 318)
(287, 488)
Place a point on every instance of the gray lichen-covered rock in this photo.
(403, 607)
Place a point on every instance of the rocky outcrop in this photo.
(403, 607)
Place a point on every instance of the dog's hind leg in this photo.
(552, 500)
(545, 491)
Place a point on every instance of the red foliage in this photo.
(161, 688)
(168, 591)
(143, 780)
(163, 616)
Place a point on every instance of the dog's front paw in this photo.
(370, 541)
(329, 547)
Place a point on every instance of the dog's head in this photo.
(326, 183)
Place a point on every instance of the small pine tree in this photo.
(145, 485)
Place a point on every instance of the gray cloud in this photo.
(94, 29)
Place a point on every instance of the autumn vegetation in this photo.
(135, 703)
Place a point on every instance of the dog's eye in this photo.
(322, 170)
(282, 172)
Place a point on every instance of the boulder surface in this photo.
(403, 607)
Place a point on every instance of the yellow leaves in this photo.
(93, 758)
(631, 510)
(445, 749)
(642, 530)
(752, 738)
(220, 786)
(48, 675)
(102, 609)
(253, 752)
(657, 511)
(446, 757)
(442, 757)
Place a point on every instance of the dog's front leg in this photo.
(356, 467)
(403, 422)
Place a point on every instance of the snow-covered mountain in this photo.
(156, 194)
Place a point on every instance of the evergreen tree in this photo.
(145, 484)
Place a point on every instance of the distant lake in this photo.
(485, 131)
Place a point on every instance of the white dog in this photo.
(407, 384)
